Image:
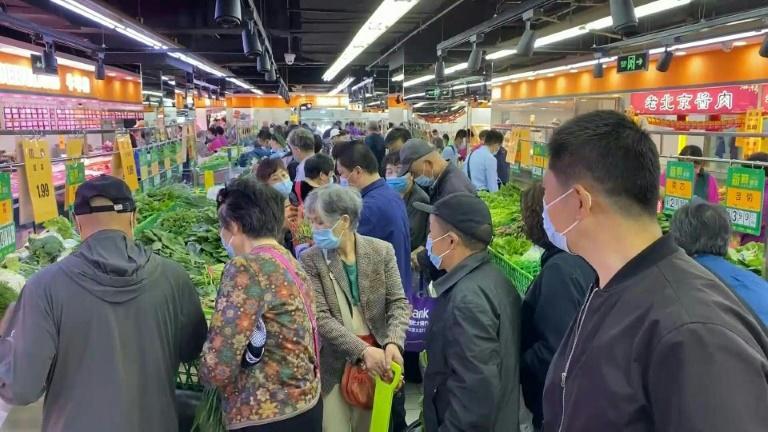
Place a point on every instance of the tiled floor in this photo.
(28, 419)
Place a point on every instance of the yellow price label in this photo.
(39, 176)
(70, 194)
(74, 146)
(6, 212)
(167, 164)
(744, 199)
(208, 179)
(679, 188)
(127, 162)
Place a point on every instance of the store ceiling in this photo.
(317, 31)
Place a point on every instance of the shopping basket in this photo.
(521, 278)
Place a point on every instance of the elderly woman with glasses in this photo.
(362, 312)
(262, 349)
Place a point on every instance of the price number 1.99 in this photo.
(43, 190)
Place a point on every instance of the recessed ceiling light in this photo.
(680, 53)
(111, 74)
(531, 78)
(573, 71)
(550, 74)
(739, 43)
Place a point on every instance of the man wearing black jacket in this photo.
(551, 303)
(659, 344)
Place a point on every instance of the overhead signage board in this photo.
(708, 100)
(632, 63)
(432, 92)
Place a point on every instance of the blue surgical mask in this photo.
(227, 246)
(556, 238)
(436, 260)
(284, 187)
(343, 182)
(425, 181)
(325, 238)
(399, 184)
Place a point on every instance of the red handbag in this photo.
(357, 386)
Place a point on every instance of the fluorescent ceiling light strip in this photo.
(456, 68)
(386, 15)
(88, 13)
(640, 11)
(151, 93)
(344, 84)
(62, 61)
(362, 83)
(418, 80)
(398, 77)
(563, 68)
(414, 95)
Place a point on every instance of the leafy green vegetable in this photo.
(750, 256)
(62, 226)
(45, 248)
(7, 296)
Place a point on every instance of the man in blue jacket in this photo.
(703, 231)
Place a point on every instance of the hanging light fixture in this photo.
(475, 58)
(227, 13)
(623, 16)
(440, 68)
(664, 61)
(101, 73)
(251, 43)
(264, 63)
(527, 41)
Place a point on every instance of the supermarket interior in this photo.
(182, 99)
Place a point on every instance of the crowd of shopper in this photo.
(330, 240)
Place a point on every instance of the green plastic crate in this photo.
(187, 377)
(521, 278)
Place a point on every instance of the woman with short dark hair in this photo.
(262, 342)
(550, 304)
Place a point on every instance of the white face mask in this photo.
(557, 238)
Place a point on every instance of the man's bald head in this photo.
(91, 223)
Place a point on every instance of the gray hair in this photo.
(701, 228)
(331, 202)
(302, 139)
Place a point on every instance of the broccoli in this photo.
(46, 248)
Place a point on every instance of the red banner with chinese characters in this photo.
(709, 100)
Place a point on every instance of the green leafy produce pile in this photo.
(509, 240)
(749, 256)
(7, 296)
(187, 232)
(215, 162)
(159, 200)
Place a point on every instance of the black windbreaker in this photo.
(664, 346)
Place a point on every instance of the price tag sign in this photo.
(678, 189)
(744, 199)
(6, 199)
(154, 166)
(39, 177)
(7, 226)
(180, 153)
(74, 146)
(540, 160)
(127, 162)
(75, 177)
(208, 179)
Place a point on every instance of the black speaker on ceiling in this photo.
(271, 75)
(251, 43)
(664, 61)
(227, 13)
(101, 73)
(623, 15)
(264, 63)
(597, 70)
(50, 64)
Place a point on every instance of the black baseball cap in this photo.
(104, 186)
(413, 150)
(465, 212)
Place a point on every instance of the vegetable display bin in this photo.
(520, 278)
(187, 377)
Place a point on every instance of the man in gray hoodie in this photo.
(102, 331)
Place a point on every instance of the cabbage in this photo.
(13, 279)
